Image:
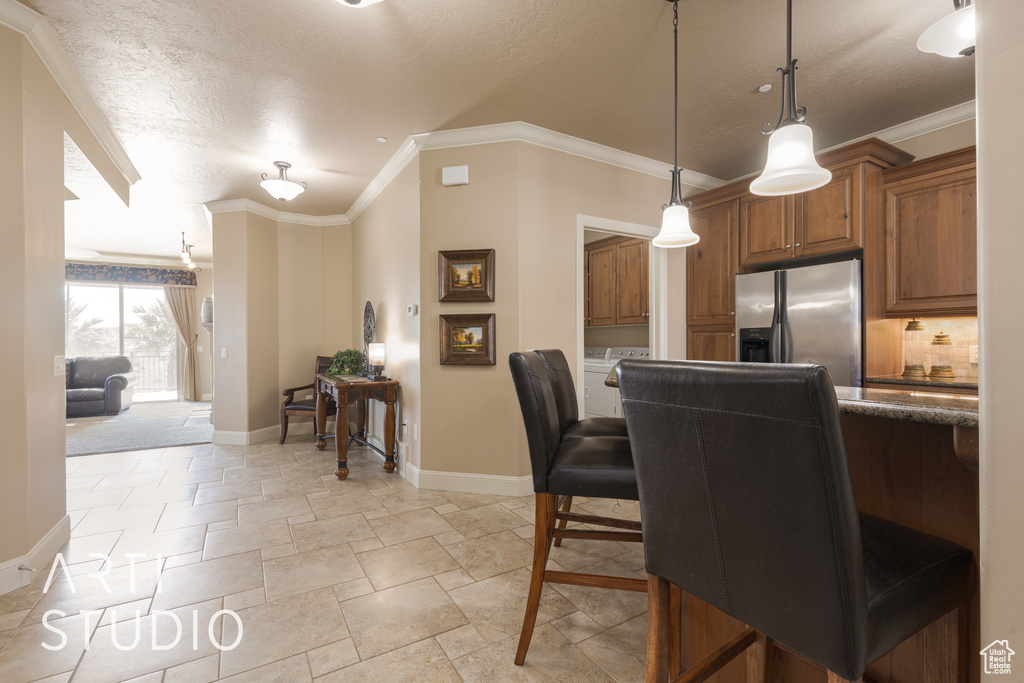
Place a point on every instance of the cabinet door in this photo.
(931, 246)
(704, 344)
(766, 229)
(830, 218)
(631, 281)
(586, 288)
(711, 265)
(602, 285)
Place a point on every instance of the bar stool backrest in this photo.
(540, 415)
(562, 386)
(746, 500)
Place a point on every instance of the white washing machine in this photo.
(600, 400)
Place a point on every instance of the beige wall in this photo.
(336, 295)
(283, 295)
(940, 141)
(204, 288)
(1000, 58)
(385, 267)
(523, 201)
(230, 376)
(34, 115)
(300, 304)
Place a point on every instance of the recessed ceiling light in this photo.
(382, 139)
(359, 3)
(765, 88)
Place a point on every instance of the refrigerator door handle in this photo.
(776, 348)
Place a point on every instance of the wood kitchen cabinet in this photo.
(711, 344)
(822, 221)
(711, 265)
(931, 229)
(616, 276)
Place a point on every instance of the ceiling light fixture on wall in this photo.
(675, 217)
(280, 187)
(952, 35)
(791, 166)
(359, 3)
(186, 254)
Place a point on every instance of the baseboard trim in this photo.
(469, 483)
(272, 433)
(12, 578)
(206, 397)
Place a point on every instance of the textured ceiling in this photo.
(205, 95)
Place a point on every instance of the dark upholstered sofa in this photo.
(98, 386)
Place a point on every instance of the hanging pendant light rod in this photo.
(677, 191)
(790, 112)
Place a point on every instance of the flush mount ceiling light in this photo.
(186, 254)
(953, 35)
(791, 166)
(675, 217)
(359, 3)
(280, 187)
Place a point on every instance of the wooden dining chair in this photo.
(305, 407)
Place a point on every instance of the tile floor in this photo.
(369, 579)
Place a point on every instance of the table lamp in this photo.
(375, 358)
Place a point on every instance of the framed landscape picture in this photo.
(466, 275)
(467, 339)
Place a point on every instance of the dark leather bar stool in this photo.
(570, 424)
(592, 466)
(744, 467)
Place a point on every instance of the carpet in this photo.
(142, 426)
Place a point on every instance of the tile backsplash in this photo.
(963, 333)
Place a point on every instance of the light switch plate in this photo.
(224, 352)
(58, 366)
(974, 354)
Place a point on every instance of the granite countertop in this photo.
(958, 382)
(958, 411)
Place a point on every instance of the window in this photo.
(126, 320)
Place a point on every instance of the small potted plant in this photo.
(347, 362)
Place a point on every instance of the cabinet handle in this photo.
(798, 244)
(732, 312)
(789, 246)
(732, 334)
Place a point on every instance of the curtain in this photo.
(182, 301)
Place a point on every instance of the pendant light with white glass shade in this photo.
(675, 218)
(953, 35)
(791, 166)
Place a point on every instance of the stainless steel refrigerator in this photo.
(810, 314)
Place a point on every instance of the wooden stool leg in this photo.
(562, 522)
(761, 660)
(545, 523)
(836, 678)
(658, 631)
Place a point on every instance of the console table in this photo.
(346, 389)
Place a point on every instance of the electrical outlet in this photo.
(199, 349)
(58, 366)
(415, 432)
(974, 355)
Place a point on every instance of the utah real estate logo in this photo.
(997, 657)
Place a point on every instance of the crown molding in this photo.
(929, 123)
(395, 165)
(518, 131)
(46, 44)
(229, 205)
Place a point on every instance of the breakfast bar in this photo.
(914, 460)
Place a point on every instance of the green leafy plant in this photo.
(348, 362)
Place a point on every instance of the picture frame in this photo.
(467, 339)
(465, 275)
